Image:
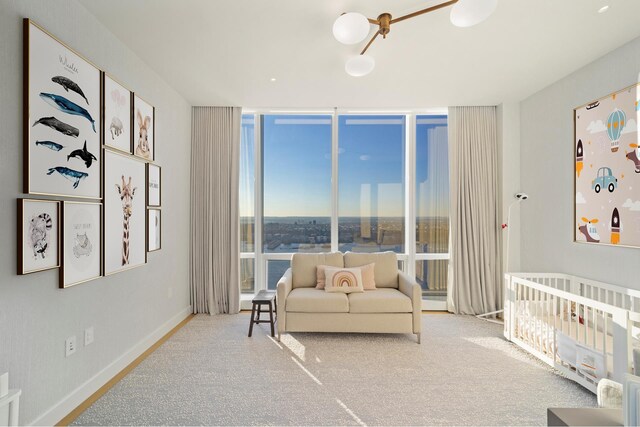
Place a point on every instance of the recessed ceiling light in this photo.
(603, 9)
(273, 79)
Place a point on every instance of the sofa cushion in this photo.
(380, 301)
(312, 300)
(303, 267)
(386, 266)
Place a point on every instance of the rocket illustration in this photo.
(589, 230)
(579, 156)
(615, 227)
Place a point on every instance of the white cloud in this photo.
(632, 206)
(596, 127)
(580, 198)
(365, 157)
(630, 127)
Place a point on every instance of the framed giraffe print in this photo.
(125, 212)
(81, 243)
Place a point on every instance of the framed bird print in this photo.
(607, 170)
(117, 114)
(153, 182)
(154, 235)
(61, 118)
(38, 235)
(125, 212)
(143, 139)
(81, 243)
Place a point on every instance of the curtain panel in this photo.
(475, 269)
(214, 251)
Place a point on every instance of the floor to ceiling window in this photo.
(347, 182)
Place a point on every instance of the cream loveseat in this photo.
(393, 307)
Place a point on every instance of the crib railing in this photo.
(539, 306)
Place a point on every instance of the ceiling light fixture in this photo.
(603, 9)
(351, 28)
(273, 79)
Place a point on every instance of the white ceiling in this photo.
(225, 52)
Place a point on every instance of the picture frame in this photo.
(125, 212)
(606, 166)
(81, 253)
(38, 235)
(154, 185)
(61, 118)
(117, 104)
(154, 234)
(143, 124)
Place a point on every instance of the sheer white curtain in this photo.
(475, 282)
(214, 252)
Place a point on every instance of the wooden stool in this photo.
(263, 298)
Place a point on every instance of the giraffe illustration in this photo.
(126, 195)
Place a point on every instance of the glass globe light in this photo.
(351, 28)
(466, 13)
(360, 65)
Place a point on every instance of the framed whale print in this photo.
(154, 174)
(62, 120)
(117, 114)
(606, 153)
(81, 243)
(143, 141)
(154, 235)
(125, 212)
(38, 235)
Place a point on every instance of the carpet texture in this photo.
(211, 373)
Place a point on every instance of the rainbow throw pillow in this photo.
(345, 280)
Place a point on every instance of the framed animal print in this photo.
(607, 170)
(125, 212)
(117, 114)
(81, 243)
(154, 192)
(154, 235)
(143, 139)
(38, 235)
(62, 148)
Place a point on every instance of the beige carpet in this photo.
(210, 373)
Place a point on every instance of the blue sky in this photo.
(297, 166)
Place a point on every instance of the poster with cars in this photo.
(607, 170)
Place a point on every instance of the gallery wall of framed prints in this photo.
(89, 147)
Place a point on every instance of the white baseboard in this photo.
(82, 393)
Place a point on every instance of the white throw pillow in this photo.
(346, 280)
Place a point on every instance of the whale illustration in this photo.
(70, 174)
(61, 127)
(84, 154)
(66, 106)
(68, 85)
(50, 145)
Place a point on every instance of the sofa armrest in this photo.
(408, 286)
(285, 284)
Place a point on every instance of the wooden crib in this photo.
(583, 328)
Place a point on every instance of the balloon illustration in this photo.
(615, 123)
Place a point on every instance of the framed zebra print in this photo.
(81, 253)
(38, 235)
(125, 212)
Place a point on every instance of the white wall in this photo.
(36, 316)
(547, 173)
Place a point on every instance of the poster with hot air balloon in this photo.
(606, 175)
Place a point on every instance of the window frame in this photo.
(408, 258)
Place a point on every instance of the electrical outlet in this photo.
(88, 336)
(70, 346)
